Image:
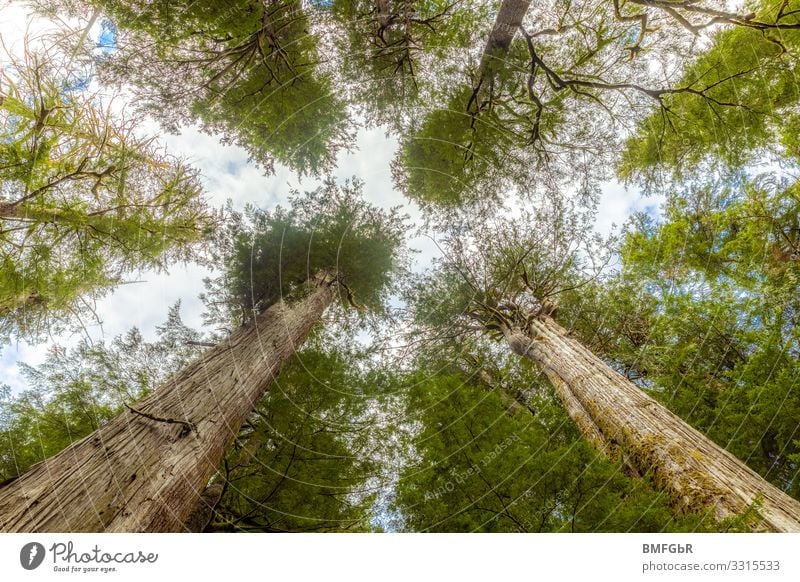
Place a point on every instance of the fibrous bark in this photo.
(616, 416)
(203, 512)
(146, 470)
(506, 25)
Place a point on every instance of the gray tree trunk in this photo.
(506, 25)
(617, 416)
(146, 470)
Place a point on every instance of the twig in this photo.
(187, 426)
(200, 344)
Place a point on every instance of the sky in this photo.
(226, 174)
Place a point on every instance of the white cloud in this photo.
(144, 303)
(16, 22)
(227, 174)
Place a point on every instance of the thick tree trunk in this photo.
(146, 469)
(203, 512)
(616, 415)
(506, 25)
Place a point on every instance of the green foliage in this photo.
(76, 391)
(705, 315)
(501, 270)
(332, 229)
(83, 200)
(452, 154)
(303, 461)
(248, 71)
(752, 93)
(477, 467)
(387, 50)
(563, 98)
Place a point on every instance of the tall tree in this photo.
(440, 159)
(504, 281)
(300, 463)
(84, 200)
(146, 469)
(388, 51)
(703, 314)
(474, 467)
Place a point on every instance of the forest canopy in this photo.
(377, 237)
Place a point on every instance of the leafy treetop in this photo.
(270, 255)
(83, 199)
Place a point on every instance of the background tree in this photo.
(704, 312)
(84, 200)
(750, 74)
(503, 281)
(577, 77)
(389, 51)
(171, 442)
(442, 157)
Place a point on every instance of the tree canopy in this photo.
(748, 97)
(508, 383)
(270, 254)
(248, 71)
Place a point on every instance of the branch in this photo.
(558, 83)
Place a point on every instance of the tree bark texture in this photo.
(203, 512)
(7, 209)
(616, 416)
(146, 470)
(506, 25)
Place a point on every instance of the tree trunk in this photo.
(382, 10)
(203, 512)
(616, 415)
(506, 24)
(146, 469)
(7, 209)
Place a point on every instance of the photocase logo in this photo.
(31, 555)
